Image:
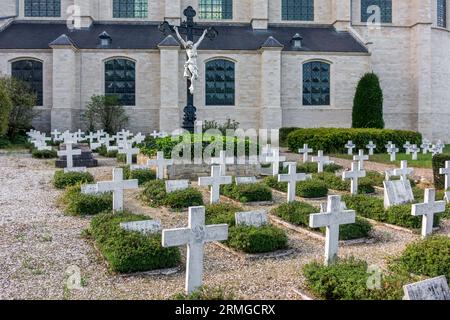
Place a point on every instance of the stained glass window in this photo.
(216, 9)
(120, 80)
(219, 80)
(30, 71)
(385, 10)
(316, 83)
(130, 8)
(442, 13)
(42, 8)
(298, 10)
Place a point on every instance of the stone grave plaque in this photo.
(175, 185)
(397, 192)
(144, 227)
(75, 169)
(139, 167)
(89, 189)
(430, 289)
(245, 180)
(251, 218)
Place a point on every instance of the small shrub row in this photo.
(44, 154)
(365, 185)
(247, 192)
(311, 167)
(142, 175)
(105, 153)
(63, 179)
(155, 195)
(439, 162)
(80, 204)
(313, 188)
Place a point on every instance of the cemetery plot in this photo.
(256, 193)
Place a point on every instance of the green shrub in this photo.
(311, 167)
(44, 154)
(376, 177)
(272, 182)
(311, 189)
(155, 195)
(63, 179)
(368, 103)
(429, 257)
(130, 251)
(222, 213)
(284, 132)
(142, 175)
(333, 140)
(332, 181)
(347, 280)
(247, 192)
(401, 216)
(5, 109)
(257, 240)
(4, 142)
(439, 162)
(206, 293)
(105, 153)
(122, 158)
(80, 204)
(360, 229)
(365, 185)
(366, 206)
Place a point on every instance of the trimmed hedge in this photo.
(368, 103)
(267, 238)
(313, 188)
(284, 132)
(105, 153)
(155, 195)
(333, 140)
(80, 204)
(63, 179)
(247, 192)
(142, 175)
(439, 162)
(44, 154)
(130, 251)
(311, 167)
(298, 214)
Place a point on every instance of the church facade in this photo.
(274, 63)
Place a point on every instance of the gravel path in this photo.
(38, 244)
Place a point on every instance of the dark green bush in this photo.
(368, 103)
(206, 293)
(366, 206)
(105, 153)
(401, 216)
(311, 167)
(311, 189)
(332, 181)
(130, 251)
(155, 195)
(429, 257)
(247, 192)
(333, 140)
(376, 177)
(284, 132)
(80, 204)
(44, 154)
(122, 158)
(360, 229)
(439, 162)
(222, 213)
(365, 186)
(272, 182)
(142, 175)
(62, 179)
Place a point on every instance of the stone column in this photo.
(66, 108)
(169, 114)
(271, 116)
(341, 14)
(172, 13)
(260, 14)
(83, 13)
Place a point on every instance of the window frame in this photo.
(327, 103)
(29, 5)
(364, 15)
(208, 15)
(40, 91)
(441, 8)
(309, 15)
(143, 11)
(106, 81)
(228, 103)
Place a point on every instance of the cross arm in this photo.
(176, 237)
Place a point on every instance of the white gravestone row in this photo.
(129, 151)
(117, 186)
(392, 151)
(274, 159)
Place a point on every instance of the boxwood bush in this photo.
(439, 162)
(376, 178)
(130, 251)
(105, 153)
(311, 167)
(142, 175)
(155, 195)
(313, 188)
(80, 204)
(63, 179)
(298, 214)
(264, 239)
(44, 154)
(247, 192)
(332, 181)
(333, 140)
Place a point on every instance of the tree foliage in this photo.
(368, 103)
(105, 112)
(5, 109)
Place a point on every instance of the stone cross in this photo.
(291, 178)
(69, 153)
(275, 160)
(91, 136)
(434, 150)
(129, 151)
(354, 174)
(332, 219)
(106, 140)
(223, 160)
(194, 236)
(388, 145)
(427, 211)
(406, 146)
(371, 146)
(404, 171)
(414, 150)
(361, 158)
(440, 146)
(79, 135)
(215, 181)
(56, 134)
(446, 171)
(350, 146)
(392, 150)
(321, 160)
(425, 146)
(138, 138)
(305, 152)
(160, 164)
(117, 186)
(155, 134)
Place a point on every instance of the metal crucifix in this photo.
(189, 28)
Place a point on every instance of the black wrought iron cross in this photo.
(190, 29)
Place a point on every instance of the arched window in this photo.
(130, 8)
(442, 13)
(29, 71)
(316, 83)
(297, 10)
(384, 6)
(42, 8)
(120, 80)
(219, 81)
(216, 9)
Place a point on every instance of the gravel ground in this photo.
(38, 244)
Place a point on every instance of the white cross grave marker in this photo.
(350, 146)
(69, 153)
(117, 186)
(194, 236)
(275, 160)
(160, 164)
(305, 152)
(215, 181)
(223, 160)
(354, 174)
(56, 135)
(404, 171)
(414, 151)
(332, 219)
(155, 134)
(446, 172)
(425, 146)
(406, 146)
(361, 157)
(427, 210)
(388, 145)
(129, 151)
(321, 161)
(371, 146)
(392, 150)
(291, 178)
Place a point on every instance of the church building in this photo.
(273, 63)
